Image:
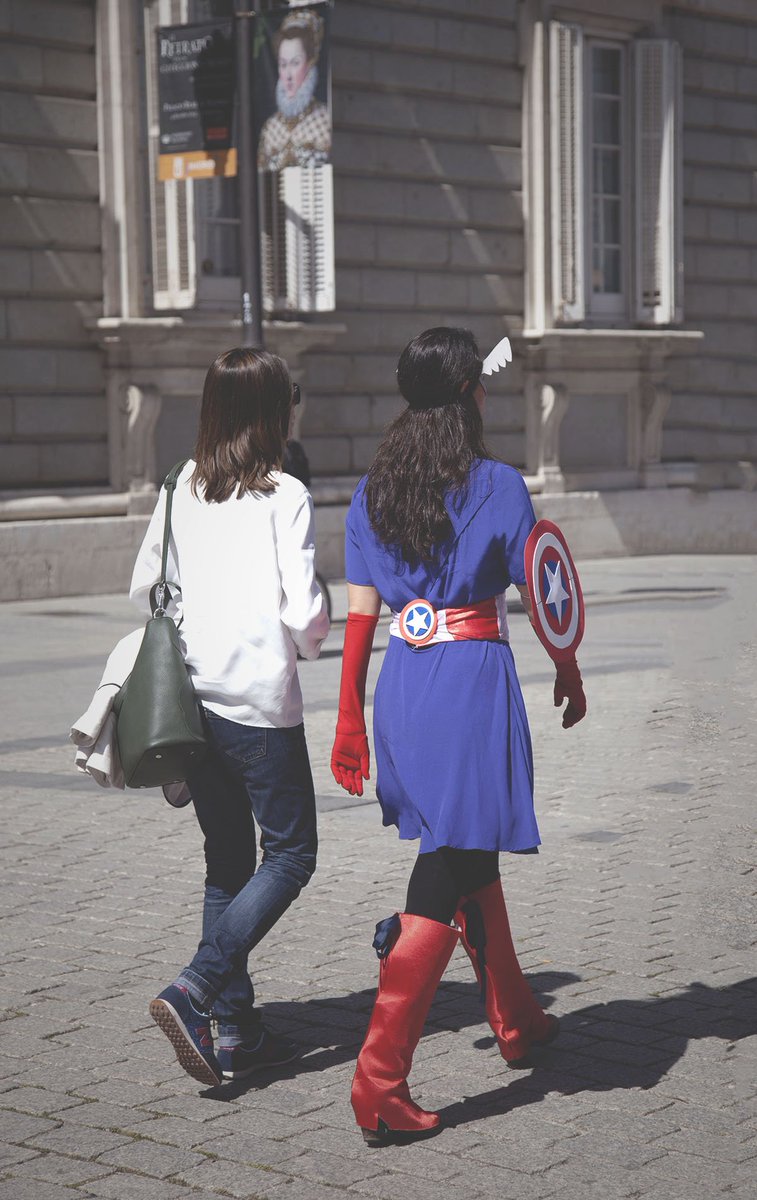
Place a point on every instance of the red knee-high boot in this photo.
(516, 1019)
(409, 976)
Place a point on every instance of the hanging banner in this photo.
(292, 87)
(196, 75)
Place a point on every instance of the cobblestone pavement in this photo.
(635, 924)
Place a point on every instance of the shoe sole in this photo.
(279, 1062)
(376, 1139)
(190, 1060)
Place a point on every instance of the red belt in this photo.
(420, 624)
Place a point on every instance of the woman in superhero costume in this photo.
(437, 530)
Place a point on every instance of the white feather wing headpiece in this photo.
(500, 356)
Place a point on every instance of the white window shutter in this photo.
(273, 242)
(567, 171)
(659, 255)
(174, 273)
(298, 239)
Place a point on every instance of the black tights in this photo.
(441, 877)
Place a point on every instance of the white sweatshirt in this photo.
(249, 601)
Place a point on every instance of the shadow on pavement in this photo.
(620, 1044)
(331, 1030)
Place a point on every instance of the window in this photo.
(607, 242)
(615, 179)
(195, 223)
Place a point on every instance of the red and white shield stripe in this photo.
(555, 590)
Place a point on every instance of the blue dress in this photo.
(453, 750)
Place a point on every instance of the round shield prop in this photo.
(555, 590)
(418, 622)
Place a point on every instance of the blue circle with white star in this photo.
(418, 622)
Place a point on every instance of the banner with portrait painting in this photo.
(292, 87)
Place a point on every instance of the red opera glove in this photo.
(568, 686)
(350, 757)
(350, 761)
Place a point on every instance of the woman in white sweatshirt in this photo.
(242, 579)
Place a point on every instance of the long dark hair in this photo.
(244, 421)
(429, 449)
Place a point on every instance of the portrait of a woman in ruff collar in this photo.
(298, 134)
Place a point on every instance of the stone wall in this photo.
(90, 556)
(713, 414)
(52, 409)
(428, 214)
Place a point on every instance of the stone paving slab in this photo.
(635, 924)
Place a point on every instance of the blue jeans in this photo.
(250, 773)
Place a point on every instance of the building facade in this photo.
(580, 176)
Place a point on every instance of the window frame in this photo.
(557, 195)
(607, 308)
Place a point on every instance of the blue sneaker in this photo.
(237, 1062)
(188, 1030)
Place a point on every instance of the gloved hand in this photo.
(351, 761)
(350, 757)
(568, 686)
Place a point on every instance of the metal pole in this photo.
(249, 215)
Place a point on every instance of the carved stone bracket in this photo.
(554, 405)
(141, 410)
(547, 406)
(655, 401)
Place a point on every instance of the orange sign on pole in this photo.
(197, 164)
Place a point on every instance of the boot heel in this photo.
(526, 1061)
(553, 1029)
(376, 1137)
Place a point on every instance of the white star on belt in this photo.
(418, 622)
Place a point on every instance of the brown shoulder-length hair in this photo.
(244, 421)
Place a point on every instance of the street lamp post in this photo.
(249, 216)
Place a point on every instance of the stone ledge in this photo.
(73, 556)
(62, 505)
(195, 340)
(654, 521)
(95, 555)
